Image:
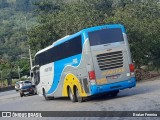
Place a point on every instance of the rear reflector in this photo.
(131, 67)
(92, 75)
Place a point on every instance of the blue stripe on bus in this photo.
(105, 27)
(59, 67)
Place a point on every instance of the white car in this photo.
(20, 84)
(17, 85)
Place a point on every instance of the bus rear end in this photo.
(113, 69)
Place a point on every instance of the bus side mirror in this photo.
(37, 66)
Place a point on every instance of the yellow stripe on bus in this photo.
(71, 81)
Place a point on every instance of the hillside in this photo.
(15, 17)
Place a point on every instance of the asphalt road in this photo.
(144, 97)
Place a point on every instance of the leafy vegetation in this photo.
(141, 19)
(47, 21)
(16, 17)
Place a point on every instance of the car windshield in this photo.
(18, 82)
(27, 82)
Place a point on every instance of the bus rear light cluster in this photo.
(131, 68)
(92, 75)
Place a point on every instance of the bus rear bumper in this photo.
(95, 89)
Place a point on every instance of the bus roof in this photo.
(61, 40)
(106, 26)
(47, 48)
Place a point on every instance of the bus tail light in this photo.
(131, 68)
(92, 75)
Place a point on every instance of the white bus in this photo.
(92, 61)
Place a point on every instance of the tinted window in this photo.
(105, 36)
(26, 87)
(27, 82)
(67, 49)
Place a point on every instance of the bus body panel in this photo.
(111, 61)
(47, 76)
(112, 75)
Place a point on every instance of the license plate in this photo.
(26, 92)
(113, 76)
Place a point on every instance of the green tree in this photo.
(140, 19)
(61, 19)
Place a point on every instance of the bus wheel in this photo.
(21, 94)
(71, 95)
(78, 97)
(44, 95)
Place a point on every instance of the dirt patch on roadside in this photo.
(142, 74)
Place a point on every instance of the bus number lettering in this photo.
(119, 70)
(48, 69)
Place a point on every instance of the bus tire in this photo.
(71, 95)
(35, 91)
(21, 95)
(78, 97)
(45, 97)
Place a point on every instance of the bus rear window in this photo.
(105, 36)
